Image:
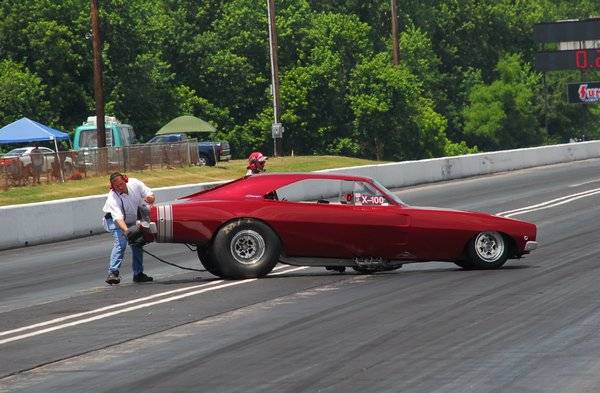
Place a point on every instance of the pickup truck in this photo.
(207, 151)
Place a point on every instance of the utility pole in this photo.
(395, 45)
(98, 94)
(277, 128)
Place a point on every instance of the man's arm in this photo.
(121, 224)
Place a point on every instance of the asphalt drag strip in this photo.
(131, 305)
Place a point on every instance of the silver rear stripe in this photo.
(164, 224)
(160, 223)
(168, 223)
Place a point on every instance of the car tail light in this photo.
(7, 161)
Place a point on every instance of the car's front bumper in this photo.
(530, 245)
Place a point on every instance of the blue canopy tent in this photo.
(27, 130)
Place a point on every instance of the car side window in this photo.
(330, 191)
(310, 191)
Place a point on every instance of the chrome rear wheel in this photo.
(247, 247)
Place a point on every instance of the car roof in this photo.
(261, 184)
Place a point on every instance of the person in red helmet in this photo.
(256, 163)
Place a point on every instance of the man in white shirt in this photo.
(120, 211)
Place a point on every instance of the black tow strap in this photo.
(172, 264)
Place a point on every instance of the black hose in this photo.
(173, 264)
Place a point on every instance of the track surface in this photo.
(532, 326)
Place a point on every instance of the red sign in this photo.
(584, 92)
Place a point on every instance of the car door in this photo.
(384, 223)
(315, 218)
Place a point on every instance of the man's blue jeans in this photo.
(118, 251)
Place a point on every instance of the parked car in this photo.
(208, 151)
(243, 228)
(23, 154)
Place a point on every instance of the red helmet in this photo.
(257, 156)
(256, 162)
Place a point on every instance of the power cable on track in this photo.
(172, 264)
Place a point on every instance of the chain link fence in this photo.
(75, 165)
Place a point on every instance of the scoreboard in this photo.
(568, 31)
(582, 59)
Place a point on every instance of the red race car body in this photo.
(243, 228)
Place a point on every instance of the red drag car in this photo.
(243, 228)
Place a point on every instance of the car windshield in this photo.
(16, 152)
(388, 192)
(88, 138)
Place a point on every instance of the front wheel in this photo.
(245, 249)
(487, 250)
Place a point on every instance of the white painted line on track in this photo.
(128, 309)
(106, 308)
(549, 204)
(113, 306)
(584, 183)
(291, 270)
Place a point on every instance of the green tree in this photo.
(420, 58)
(188, 103)
(138, 81)
(22, 94)
(48, 37)
(502, 115)
(393, 119)
(316, 112)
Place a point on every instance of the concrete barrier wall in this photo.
(46, 222)
(447, 168)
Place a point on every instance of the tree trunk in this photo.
(378, 148)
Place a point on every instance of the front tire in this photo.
(245, 249)
(487, 250)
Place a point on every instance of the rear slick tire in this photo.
(245, 248)
(209, 263)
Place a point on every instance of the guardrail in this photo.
(50, 221)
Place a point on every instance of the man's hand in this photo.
(149, 199)
(135, 237)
